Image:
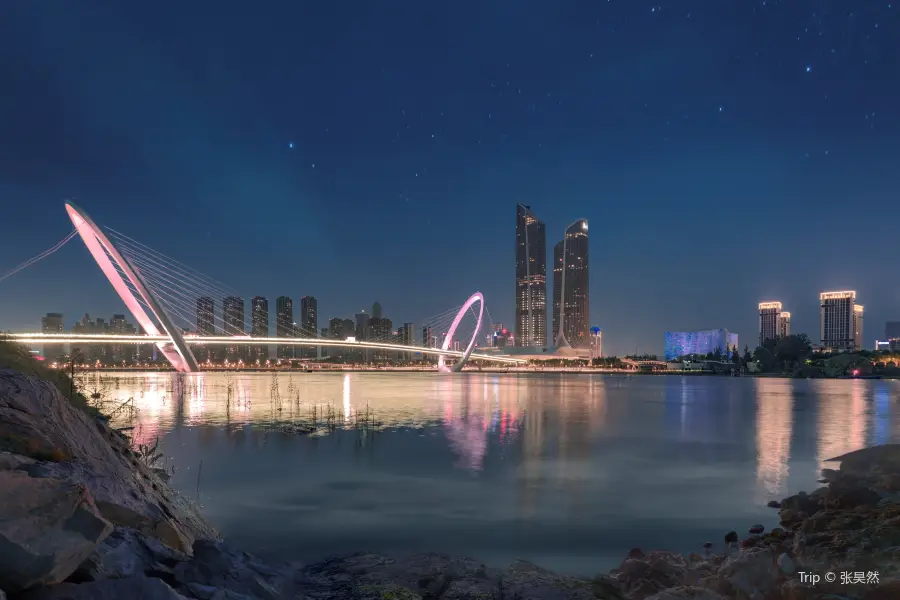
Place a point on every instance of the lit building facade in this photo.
(233, 321)
(259, 325)
(206, 326)
(858, 312)
(52, 323)
(840, 321)
(769, 321)
(784, 324)
(571, 285)
(531, 279)
(309, 323)
(284, 325)
(684, 343)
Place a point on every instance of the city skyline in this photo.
(309, 167)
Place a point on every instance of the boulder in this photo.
(47, 528)
(67, 443)
(134, 588)
(129, 553)
(688, 593)
(217, 565)
(530, 582)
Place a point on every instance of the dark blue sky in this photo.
(723, 152)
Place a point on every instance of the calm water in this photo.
(569, 471)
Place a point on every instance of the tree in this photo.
(793, 348)
(735, 356)
(765, 358)
(717, 354)
(748, 358)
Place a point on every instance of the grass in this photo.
(17, 357)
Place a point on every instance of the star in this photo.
(291, 145)
(809, 68)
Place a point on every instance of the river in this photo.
(568, 471)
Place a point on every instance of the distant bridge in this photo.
(157, 290)
(79, 339)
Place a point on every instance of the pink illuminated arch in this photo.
(476, 297)
(104, 252)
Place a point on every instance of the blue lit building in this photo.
(682, 343)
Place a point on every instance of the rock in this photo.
(47, 527)
(757, 529)
(752, 572)
(774, 504)
(129, 553)
(530, 582)
(15, 462)
(135, 588)
(731, 537)
(785, 563)
(886, 457)
(688, 593)
(67, 443)
(215, 564)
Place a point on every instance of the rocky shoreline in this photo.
(81, 516)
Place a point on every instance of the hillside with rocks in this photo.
(81, 516)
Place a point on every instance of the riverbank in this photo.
(80, 506)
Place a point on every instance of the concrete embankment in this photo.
(82, 516)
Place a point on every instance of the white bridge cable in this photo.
(40, 256)
(131, 253)
(158, 274)
(178, 287)
(213, 282)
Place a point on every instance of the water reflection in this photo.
(843, 418)
(774, 427)
(564, 470)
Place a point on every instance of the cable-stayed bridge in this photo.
(174, 305)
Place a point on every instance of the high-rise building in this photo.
(531, 279)
(284, 325)
(206, 316)
(309, 324)
(858, 326)
(839, 321)
(376, 310)
(892, 330)
(119, 353)
(557, 288)
(206, 326)
(233, 320)
(428, 340)
(571, 293)
(52, 323)
(784, 324)
(685, 343)
(769, 321)
(259, 326)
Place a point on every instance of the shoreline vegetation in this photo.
(85, 515)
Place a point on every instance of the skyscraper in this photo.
(52, 323)
(769, 321)
(376, 310)
(309, 324)
(840, 321)
(284, 324)
(571, 295)
(784, 324)
(233, 319)
(531, 279)
(206, 320)
(206, 326)
(259, 325)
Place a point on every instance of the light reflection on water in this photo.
(568, 471)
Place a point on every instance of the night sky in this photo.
(724, 152)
